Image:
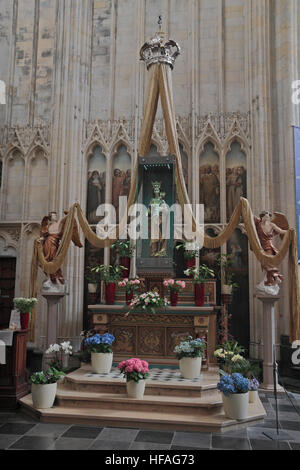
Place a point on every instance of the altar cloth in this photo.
(6, 339)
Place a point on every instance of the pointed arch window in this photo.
(236, 177)
(96, 183)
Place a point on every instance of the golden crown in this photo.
(156, 50)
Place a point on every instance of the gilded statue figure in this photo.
(51, 234)
(156, 211)
(267, 228)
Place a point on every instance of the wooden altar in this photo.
(154, 336)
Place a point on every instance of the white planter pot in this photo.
(253, 396)
(101, 362)
(236, 405)
(43, 396)
(136, 389)
(92, 288)
(190, 367)
(226, 289)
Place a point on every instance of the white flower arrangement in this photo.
(24, 305)
(65, 347)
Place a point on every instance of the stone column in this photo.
(269, 339)
(70, 106)
(53, 300)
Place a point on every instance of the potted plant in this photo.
(200, 275)
(174, 287)
(253, 390)
(24, 306)
(100, 347)
(131, 286)
(190, 253)
(148, 302)
(61, 354)
(136, 372)
(44, 386)
(125, 250)
(225, 263)
(110, 275)
(189, 353)
(235, 395)
(229, 356)
(91, 277)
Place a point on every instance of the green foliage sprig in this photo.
(108, 273)
(200, 274)
(51, 376)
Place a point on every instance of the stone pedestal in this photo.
(53, 300)
(269, 342)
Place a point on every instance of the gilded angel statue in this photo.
(51, 234)
(267, 228)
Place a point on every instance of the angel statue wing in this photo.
(281, 221)
(75, 235)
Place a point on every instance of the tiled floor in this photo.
(18, 431)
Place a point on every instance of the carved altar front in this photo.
(154, 336)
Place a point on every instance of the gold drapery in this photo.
(160, 84)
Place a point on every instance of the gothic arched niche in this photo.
(38, 185)
(236, 177)
(96, 183)
(14, 186)
(121, 176)
(237, 249)
(209, 180)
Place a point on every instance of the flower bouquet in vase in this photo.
(189, 353)
(100, 347)
(125, 250)
(136, 372)
(61, 353)
(200, 275)
(149, 302)
(24, 306)
(111, 276)
(190, 253)
(174, 287)
(131, 286)
(235, 395)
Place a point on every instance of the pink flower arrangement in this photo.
(134, 369)
(173, 285)
(130, 285)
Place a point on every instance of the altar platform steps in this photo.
(84, 398)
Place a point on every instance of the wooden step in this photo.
(142, 419)
(152, 403)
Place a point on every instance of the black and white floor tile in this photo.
(157, 374)
(19, 432)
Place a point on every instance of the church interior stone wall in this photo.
(75, 87)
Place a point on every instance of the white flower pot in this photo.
(190, 367)
(226, 289)
(101, 362)
(253, 396)
(136, 389)
(92, 288)
(43, 396)
(236, 405)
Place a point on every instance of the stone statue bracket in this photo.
(49, 287)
